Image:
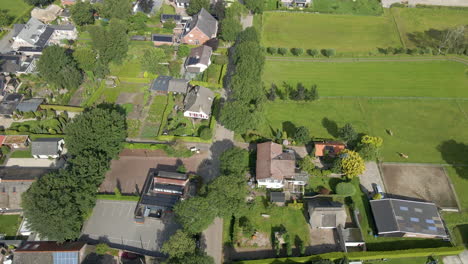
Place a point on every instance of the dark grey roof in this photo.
(10, 63)
(166, 17)
(14, 97)
(30, 105)
(17, 29)
(178, 86)
(45, 146)
(183, 1)
(161, 84)
(395, 215)
(44, 38)
(160, 199)
(22, 173)
(162, 38)
(31, 49)
(7, 107)
(205, 22)
(65, 12)
(277, 197)
(324, 212)
(34, 257)
(199, 99)
(198, 55)
(169, 187)
(352, 234)
(62, 27)
(138, 37)
(172, 175)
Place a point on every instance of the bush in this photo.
(302, 135)
(328, 52)
(345, 189)
(272, 50)
(205, 133)
(282, 51)
(312, 52)
(183, 51)
(220, 59)
(297, 51)
(5, 150)
(102, 249)
(23, 129)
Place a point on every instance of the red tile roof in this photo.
(2, 138)
(335, 146)
(50, 246)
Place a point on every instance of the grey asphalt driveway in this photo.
(5, 45)
(212, 240)
(113, 222)
(371, 175)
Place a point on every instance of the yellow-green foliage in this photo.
(352, 164)
(376, 141)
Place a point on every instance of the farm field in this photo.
(16, 7)
(414, 79)
(345, 33)
(412, 20)
(427, 131)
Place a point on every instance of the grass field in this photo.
(345, 33)
(426, 79)
(422, 129)
(412, 20)
(9, 224)
(15, 7)
(21, 154)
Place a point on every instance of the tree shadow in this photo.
(330, 126)
(289, 128)
(455, 153)
(209, 168)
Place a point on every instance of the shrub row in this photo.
(177, 150)
(299, 51)
(63, 108)
(213, 86)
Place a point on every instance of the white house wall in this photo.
(200, 115)
(270, 183)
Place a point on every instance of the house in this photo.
(46, 15)
(65, 16)
(161, 84)
(200, 29)
(45, 148)
(35, 34)
(278, 198)
(198, 102)
(404, 218)
(182, 3)
(30, 105)
(276, 168)
(17, 64)
(296, 3)
(8, 84)
(199, 59)
(328, 148)
(325, 213)
(47, 252)
(170, 17)
(351, 239)
(162, 190)
(162, 39)
(9, 103)
(16, 141)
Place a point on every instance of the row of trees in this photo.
(299, 93)
(5, 18)
(244, 107)
(57, 203)
(299, 51)
(222, 197)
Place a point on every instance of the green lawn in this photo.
(9, 224)
(422, 260)
(345, 33)
(15, 7)
(154, 119)
(21, 154)
(412, 20)
(420, 127)
(426, 79)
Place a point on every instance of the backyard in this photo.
(9, 224)
(345, 33)
(389, 79)
(15, 7)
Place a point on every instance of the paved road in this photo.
(212, 240)
(36, 163)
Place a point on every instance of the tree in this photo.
(299, 95)
(306, 164)
(255, 5)
(199, 258)
(183, 51)
(137, 22)
(347, 133)
(38, 2)
(179, 245)
(206, 133)
(351, 163)
(196, 5)
(230, 28)
(82, 13)
(152, 59)
(272, 93)
(146, 6)
(111, 43)
(297, 51)
(345, 189)
(219, 10)
(328, 52)
(227, 193)
(302, 135)
(234, 161)
(195, 214)
(102, 249)
(272, 50)
(376, 141)
(312, 94)
(169, 24)
(101, 129)
(312, 52)
(86, 58)
(368, 151)
(5, 18)
(56, 66)
(282, 51)
(120, 9)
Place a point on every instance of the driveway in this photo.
(36, 163)
(5, 45)
(113, 222)
(212, 240)
(247, 21)
(323, 241)
(371, 175)
(462, 258)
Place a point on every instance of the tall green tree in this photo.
(5, 18)
(137, 22)
(198, 258)
(100, 130)
(146, 5)
(179, 245)
(86, 58)
(152, 59)
(227, 193)
(234, 161)
(195, 214)
(57, 66)
(302, 135)
(120, 9)
(255, 5)
(196, 5)
(38, 2)
(347, 133)
(82, 13)
(230, 28)
(111, 43)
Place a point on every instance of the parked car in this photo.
(378, 189)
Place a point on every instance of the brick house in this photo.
(202, 28)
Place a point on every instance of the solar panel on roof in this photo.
(432, 228)
(403, 208)
(65, 257)
(414, 219)
(430, 221)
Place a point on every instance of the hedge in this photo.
(31, 135)
(215, 86)
(63, 108)
(170, 151)
(366, 255)
(118, 197)
(185, 139)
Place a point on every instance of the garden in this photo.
(46, 122)
(9, 224)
